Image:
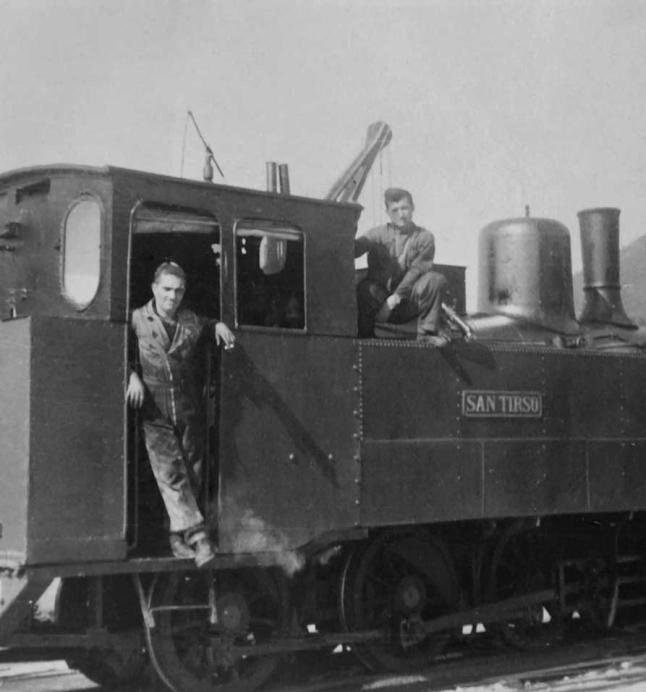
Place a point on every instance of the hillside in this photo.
(633, 279)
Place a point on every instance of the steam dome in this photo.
(526, 272)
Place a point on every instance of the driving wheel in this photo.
(523, 562)
(391, 586)
(210, 628)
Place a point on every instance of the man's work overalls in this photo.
(171, 414)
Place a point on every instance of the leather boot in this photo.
(204, 551)
(179, 547)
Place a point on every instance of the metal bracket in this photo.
(15, 295)
(144, 601)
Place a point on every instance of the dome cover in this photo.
(526, 272)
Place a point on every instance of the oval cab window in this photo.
(82, 252)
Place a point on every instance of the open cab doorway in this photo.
(192, 240)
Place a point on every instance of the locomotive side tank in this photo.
(527, 434)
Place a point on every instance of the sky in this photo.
(493, 104)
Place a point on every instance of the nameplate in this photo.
(501, 404)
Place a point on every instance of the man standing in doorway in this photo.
(164, 384)
(401, 283)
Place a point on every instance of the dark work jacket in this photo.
(165, 363)
(396, 260)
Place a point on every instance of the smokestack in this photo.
(283, 175)
(600, 250)
(272, 176)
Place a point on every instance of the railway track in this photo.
(618, 658)
(42, 676)
(616, 662)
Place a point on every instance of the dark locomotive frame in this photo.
(333, 458)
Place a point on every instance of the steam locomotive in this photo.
(378, 493)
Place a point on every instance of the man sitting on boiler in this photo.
(401, 283)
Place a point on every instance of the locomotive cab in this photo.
(78, 251)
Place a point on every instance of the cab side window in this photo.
(81, 266)
(270, 276)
